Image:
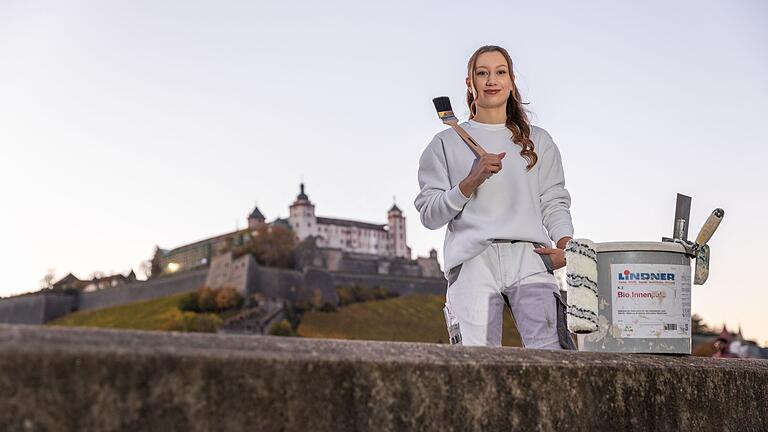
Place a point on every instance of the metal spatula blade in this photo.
(701, 273)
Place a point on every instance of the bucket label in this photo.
(651, 300)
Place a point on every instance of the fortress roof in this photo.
(256, 214)
(350, 223)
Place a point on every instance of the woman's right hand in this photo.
(482, 170)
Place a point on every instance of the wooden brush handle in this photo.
(713, 221)
(477, 148)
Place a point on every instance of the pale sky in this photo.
(124, 125)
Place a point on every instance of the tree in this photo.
(698, 325)
(156, 263)
(228, 298)
(206, 299)
(47, 281)
(273, 246)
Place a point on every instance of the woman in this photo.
(497, 208)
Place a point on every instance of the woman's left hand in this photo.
(556, 255)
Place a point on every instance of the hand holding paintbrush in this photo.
(486, 165)
(483, 168)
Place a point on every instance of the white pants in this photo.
(474, 301)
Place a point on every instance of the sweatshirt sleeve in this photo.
(554, 198)
(437, 202)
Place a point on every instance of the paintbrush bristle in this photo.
(442, 103)
(443, 107)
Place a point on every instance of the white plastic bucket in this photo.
(644, 299)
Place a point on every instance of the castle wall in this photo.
(402, 285)
(228, 272)
(277, 283)
(36, 308)
(429, 267)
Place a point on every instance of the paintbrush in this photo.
(445, 112)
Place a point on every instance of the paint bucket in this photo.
(644, 299)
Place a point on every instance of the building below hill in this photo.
(71, 282)
(343, 244)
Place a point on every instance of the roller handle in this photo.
(713, 221)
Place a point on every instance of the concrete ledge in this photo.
(88, 379)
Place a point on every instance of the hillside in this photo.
(413, 318)
(145, 315)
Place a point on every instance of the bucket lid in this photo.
(639, 246)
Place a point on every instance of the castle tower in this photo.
(396, 222)
(302, 216)
(255, 219)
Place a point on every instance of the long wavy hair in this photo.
(517, 119)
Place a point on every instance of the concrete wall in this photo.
(87, 380)
(152, 289)
(36, 308)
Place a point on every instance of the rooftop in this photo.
(350, 223)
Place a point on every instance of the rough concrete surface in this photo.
(74, 379)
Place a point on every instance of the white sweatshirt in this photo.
(512, 204)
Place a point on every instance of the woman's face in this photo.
(492, 80)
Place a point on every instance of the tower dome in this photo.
(302, 196)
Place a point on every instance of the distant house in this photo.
(69, 282)
(114, 280)
(72, 282)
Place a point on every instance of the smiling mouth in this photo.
(491, 92)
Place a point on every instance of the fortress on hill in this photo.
(329, 253)
(336, 244)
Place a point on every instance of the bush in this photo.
(206, 299)
(211, 300)
(359, 294)
(345, 295)
(282, 328)
(188, 303)
(327, 307)
(228, 298)
(293, 312)
(381, 293)
(192, 322)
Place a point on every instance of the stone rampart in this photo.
(69, 379)
(36, 308)
(403, 285)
